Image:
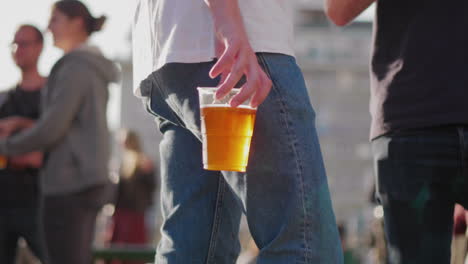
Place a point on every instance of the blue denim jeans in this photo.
(420, 175)
(284, 192)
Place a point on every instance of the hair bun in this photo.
(98, 23)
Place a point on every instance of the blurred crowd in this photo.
(54, 175)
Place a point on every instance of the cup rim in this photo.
(211, 89)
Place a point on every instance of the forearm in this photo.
(221, 9)
(57, 117)
(12, 128)
(35, 138)
(341, 12)
(12, 124)
(52, 125)
(226, 13)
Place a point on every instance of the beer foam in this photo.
(227, 105)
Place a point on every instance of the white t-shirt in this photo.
(167, 31)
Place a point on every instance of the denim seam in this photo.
(216, 221)
(293, 145)
(178, 110)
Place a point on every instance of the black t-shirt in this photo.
(419, 65)
(20, 188)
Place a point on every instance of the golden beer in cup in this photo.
(226, 131)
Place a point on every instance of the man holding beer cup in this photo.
(182, 45)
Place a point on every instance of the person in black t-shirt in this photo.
(19, 182)
(419, 130)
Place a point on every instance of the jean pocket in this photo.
(155, 104)
(414, 167)
(405, 182)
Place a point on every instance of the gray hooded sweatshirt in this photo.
(72, 129)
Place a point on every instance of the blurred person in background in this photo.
(135, 193)
(19, 181)
(419, 128)
(249, 253)
(73, 132)
(376, 235)
(348, 254)
(375, 240)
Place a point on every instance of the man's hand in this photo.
(10, 125)
(341, 12)
(29, 160)
(236, 57)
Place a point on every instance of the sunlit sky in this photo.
(113, 39)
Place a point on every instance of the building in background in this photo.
(335, 64)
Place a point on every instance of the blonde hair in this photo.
(132, 155)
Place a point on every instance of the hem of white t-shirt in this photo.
(177, 57)
(207, 56)
(184, 57)
(265, 46)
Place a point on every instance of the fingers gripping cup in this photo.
(226, 131)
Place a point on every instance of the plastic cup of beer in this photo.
(226, 131)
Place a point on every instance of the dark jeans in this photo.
(421, 174)
(16, 223)
(69, 223)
